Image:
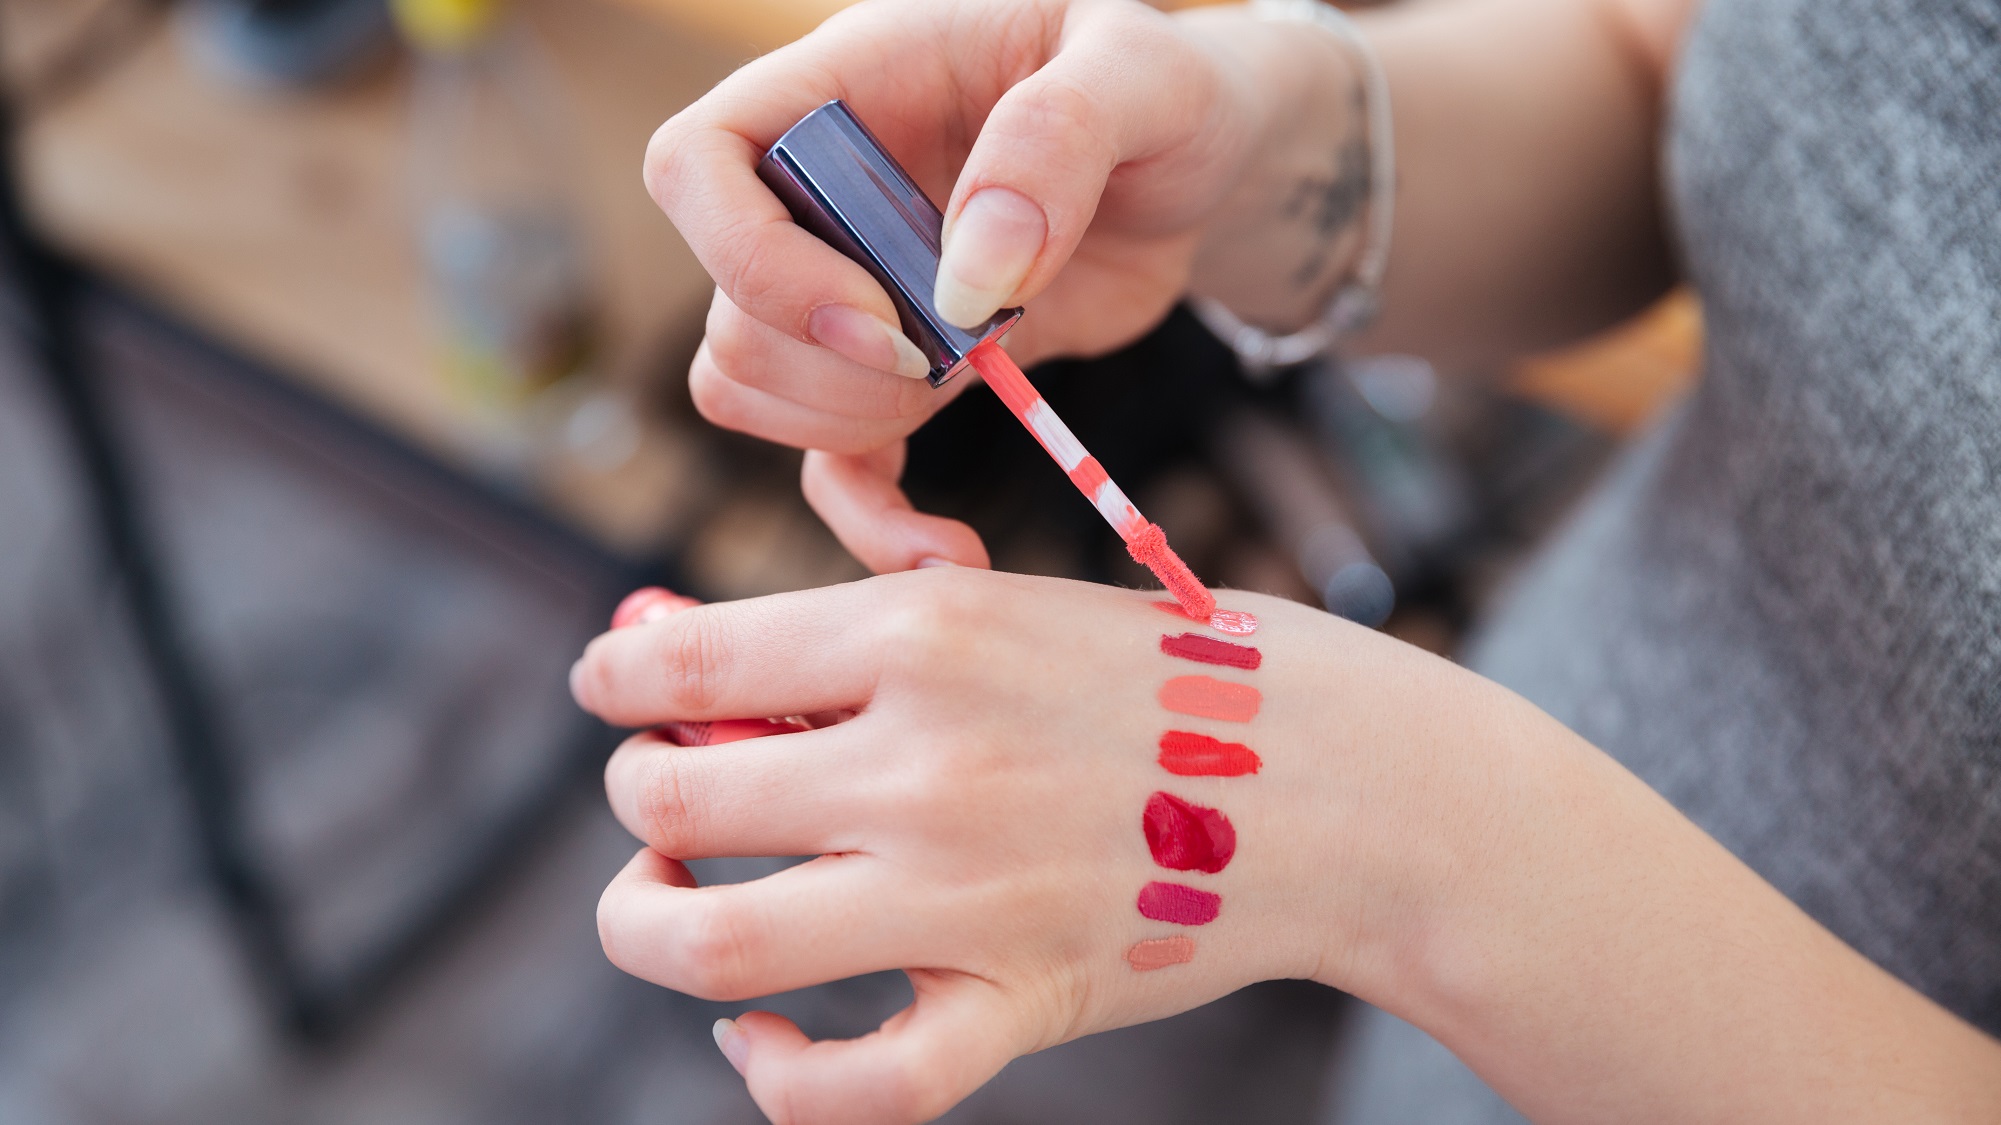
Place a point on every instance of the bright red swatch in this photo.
(1197, 755)
(1187, 837)
(1185, 906)
(1236, 622)
(1209, 650)
(1207, 697)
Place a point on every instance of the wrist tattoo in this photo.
(1327, 206)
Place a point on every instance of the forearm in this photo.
(1594, 956)
(1528, 208)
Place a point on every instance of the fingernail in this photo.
(989, 248)
(933, 560)
(734, 1043)
(632, 609)
(647, 605)
(866, 340)
(576, 681)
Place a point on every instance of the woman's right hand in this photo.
(1083, 145)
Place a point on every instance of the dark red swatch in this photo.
(1172, 902)
(1197, 755)
(1185, 837)
(1209, 650)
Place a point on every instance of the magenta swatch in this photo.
(1172, 902)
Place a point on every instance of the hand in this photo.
(979, 822)
(1082, 145)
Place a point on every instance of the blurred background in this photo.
(342, 396)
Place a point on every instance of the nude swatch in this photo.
(1159, 953)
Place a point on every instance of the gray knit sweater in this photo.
(1784, 609)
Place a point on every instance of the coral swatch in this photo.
(1187, 837)
(1197, 755)
(1159, 953)
(1209, 650)
(1172, 902)
(1236, 622)
(1209, 698)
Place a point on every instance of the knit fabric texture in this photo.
(1783, 609)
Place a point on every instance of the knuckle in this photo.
(612, 932)
(598, 680)
(932, 617)
(665, 152)
(748, 275)
(715, 952)
(695, 665)
(716, 396)
(666, 807)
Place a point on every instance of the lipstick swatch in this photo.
(1187, 837)
(1159, 953)
(719, 731)
(1235, 622)
(1184, 906)
(1206, 697)
(1197, 755)
(1209, 650)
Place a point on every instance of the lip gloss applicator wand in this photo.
(839, 183)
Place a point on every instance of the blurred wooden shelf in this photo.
(1620, 379)
(282, 223)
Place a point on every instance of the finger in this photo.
(860, 500)
(1048, 150)
(785, 794)
(924, 1060)
(704, 178)
(757, 355)
(785, 654)
(734, 406)
(806, 925)
(701, 169)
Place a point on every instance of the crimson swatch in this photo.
(1197, 755)
(1185, 906)
(1187, 837)
(1209, 650)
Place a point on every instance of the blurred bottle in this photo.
(497, 226)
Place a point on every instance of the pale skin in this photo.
(1419, 836)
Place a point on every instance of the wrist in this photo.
(1454, 802)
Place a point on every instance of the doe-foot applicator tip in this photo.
(1149, 548)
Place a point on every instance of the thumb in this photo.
(1031, 183)
(859, 498)
(956, 1034)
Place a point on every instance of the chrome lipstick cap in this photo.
(840, 183)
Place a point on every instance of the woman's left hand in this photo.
(979, 821)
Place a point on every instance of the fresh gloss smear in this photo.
(1184, 906)
(1144, 540)
(1235, 622)
(1207, 697)
(1198, 755)
(1187, 837)
(1209, 650)
(1159, 953)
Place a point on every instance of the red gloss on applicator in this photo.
(1144, 541)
